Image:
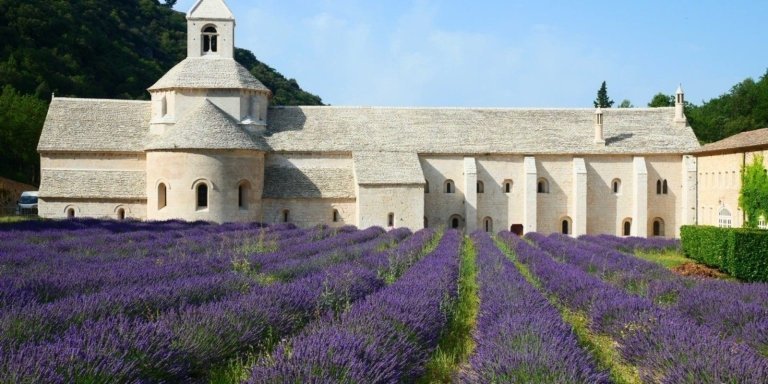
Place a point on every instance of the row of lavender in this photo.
(737, 311)
(665, 345)
(182, 328)
(167, 283)
(386, 338)
(520, 336)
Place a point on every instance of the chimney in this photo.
(599, 138)
(679, 107)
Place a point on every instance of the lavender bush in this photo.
(737, 311)
(179, 329)
(386, 338)
(520, 336)
(666, 346)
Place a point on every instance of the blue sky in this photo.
(505, 53)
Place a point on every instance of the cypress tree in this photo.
(602, 100)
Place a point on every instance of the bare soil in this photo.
(698, 270)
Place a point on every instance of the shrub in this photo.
(747, 257)
(741, 252)
(705, 244)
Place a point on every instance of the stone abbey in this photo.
(208, 146)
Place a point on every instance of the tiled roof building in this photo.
(208, 147)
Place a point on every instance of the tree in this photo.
(626, 104)
(602, 100)
(753, 197)
(662, 100)
(21, 120)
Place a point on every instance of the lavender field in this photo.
(87, 301)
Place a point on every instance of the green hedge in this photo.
(743, 253)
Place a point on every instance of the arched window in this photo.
(480, 187)
(391, 220)
(449, 187)
(121, 214)
(210, 40)
(455, 221)
(565, 226)
(426, 186)
(286, 215)
(616, 185)
(724, 218)
(70, 213)
(202, 196)
(507, 185)
(488, 224)
(658, 187)
(627, 230)
(542, 186)
(335, 215)
(664, 187)
(161, 196)
(658, 227)
(243, 195)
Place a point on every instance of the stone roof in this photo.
(210, 9)
(388, 168)
(205, 127)
(93, 184)
(91, 125)
(738, 142)
(293, 183)
(476, 131)
(209, 72)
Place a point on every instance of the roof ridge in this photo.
(101, 100)
(521, 109)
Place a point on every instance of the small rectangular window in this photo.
(391, 220)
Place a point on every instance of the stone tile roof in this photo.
(291, 183)
(205, 127)
(476, 131)
(209, 73)
(91, 125)
(93, 184)
(388, 168)
(210, 9)
(740, 141)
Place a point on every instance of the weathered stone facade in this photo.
(207, 147)
(719, 177)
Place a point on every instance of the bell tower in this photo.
(210, 30)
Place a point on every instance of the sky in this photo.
(483, 53)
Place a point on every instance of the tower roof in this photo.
(205, 127)
(210, 9)
(209, 73)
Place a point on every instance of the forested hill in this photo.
(743, 108)
(96, 49)
(105, 49)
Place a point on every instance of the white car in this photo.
(27, 204)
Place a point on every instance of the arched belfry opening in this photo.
(210, 38)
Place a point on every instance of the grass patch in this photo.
(456, 343)
(603, 348)
(17, 219)
(669, 258)
(234, 371)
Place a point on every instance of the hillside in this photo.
(92, 49)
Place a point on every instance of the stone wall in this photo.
(719, 184)
(439, 206)
(222, 171)
(103, 209)
(309, 212)
(376, 202)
